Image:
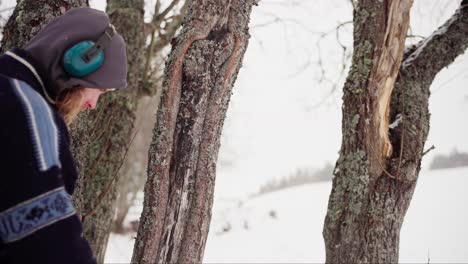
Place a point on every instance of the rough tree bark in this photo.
(199, 77)
(30, 16)
(375, 175)
(101, 137)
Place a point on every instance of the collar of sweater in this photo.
(14, 68)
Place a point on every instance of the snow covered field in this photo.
(286, 226)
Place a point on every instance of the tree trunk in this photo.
(199, 77)
(29, 17)
(375, 175)
(101, 138)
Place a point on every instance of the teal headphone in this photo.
(86, 57)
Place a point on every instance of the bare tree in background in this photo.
(379, 164)
(199, 75)
(133, 172)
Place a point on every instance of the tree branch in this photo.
(410, 99)
(441, 48)
(170, 29)
(167, 10)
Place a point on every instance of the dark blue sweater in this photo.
(38, 223)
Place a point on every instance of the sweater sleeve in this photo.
(38, 223)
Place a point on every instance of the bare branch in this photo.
(157, 6)
(161, 30)
(166, 11)
(428, 150)
(323, 35)
(170, 29)
(278, 19)
(447, 42)
(415, 36)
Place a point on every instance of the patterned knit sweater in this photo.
(38, 223)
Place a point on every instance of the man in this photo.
(61, 71)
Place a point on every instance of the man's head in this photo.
(61, 35)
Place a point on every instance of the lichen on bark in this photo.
(370, 196)
(199, 75)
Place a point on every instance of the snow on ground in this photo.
(436, 225)
(286, 226)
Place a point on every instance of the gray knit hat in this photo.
(48, 46)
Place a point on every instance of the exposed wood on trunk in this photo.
(199, 76)
(367, 205)
(383, 77)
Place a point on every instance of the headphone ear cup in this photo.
(75, 65)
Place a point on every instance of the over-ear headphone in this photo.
(86, 57)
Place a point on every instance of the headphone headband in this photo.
(103, 41)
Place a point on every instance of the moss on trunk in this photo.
(369, 197)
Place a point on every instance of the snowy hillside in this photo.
(286, 226)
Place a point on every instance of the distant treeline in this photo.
(452, 160)
(299, 177)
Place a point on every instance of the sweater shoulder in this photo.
(24, 103)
